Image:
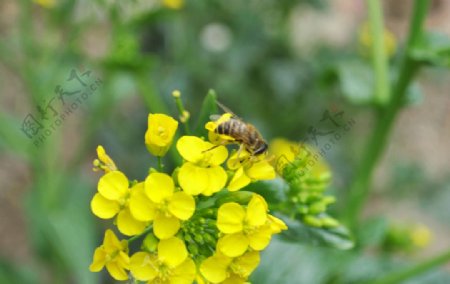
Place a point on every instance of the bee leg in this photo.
(223, 143)
(237, 155)
(213, 147)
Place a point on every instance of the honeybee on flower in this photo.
(229, 128)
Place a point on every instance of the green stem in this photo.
(359, 189)
(182, 111)
(399, 276)
(379, 58)
(160, 164)
(147, 230)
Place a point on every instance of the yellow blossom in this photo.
(114, 255)
(201, 173)
(160, 133)
(159, 203)
(222, 269)
(247, 169)
(243, 228)
(104, 162)
(173, 4)
(366, 40)
(112, 199)
(46, 3)
(421, 236)
(315, 169)
(170, 264)
(283, 149)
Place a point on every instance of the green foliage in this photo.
(433, 48)
(149, 52)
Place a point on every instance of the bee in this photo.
(244, 134)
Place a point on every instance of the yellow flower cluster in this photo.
(188, 233)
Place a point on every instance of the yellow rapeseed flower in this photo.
(421, 236)
(173, 4)
(104, 162)
(170, 264)
(222, 269)
(365, 38)
(46, 3)
(247, 169)
(114, 255)
(160, 133)
(112, 199)
(159, 203)
(201, 173)
(243, 228)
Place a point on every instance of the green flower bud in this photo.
(150, 243)
(312, 221)
(329, 222)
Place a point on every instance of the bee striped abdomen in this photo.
(233, 128)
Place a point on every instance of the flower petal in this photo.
(276, 225)
(105, 159)
(192, 148)
(113, 185)
(256, 214)
(247, 263)
(116, 271)
(239, 180)
(159, 187)
(127, 225)
(182, 205)
(217, 178)
(184, 273)
(141, 207)
(142, 266)
(260, 238)
(235, 161)
(216, 155)
(165, 227)
(104, 208)
(110, 242)
(230, 218)
(233, 245)
(193, 179)
(261, 170)
(172, 251)
(214, 268)
(99, 260)
(235, 279)
(123, 259)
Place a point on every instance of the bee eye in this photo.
(261, 149)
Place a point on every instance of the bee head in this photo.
(262, 148)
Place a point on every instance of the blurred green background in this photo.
(279, 64)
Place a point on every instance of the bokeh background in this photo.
(276, 63)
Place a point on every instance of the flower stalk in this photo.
(359, 189)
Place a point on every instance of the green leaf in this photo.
(414, 95)
(209, 107)
(356, 81)
(10, 273)
(273, 191)
(12, 136)
(338, 237)
(64, 235)
(372, 232)
(433, 48)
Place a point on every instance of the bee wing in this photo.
(214, 117)
(226, 109)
